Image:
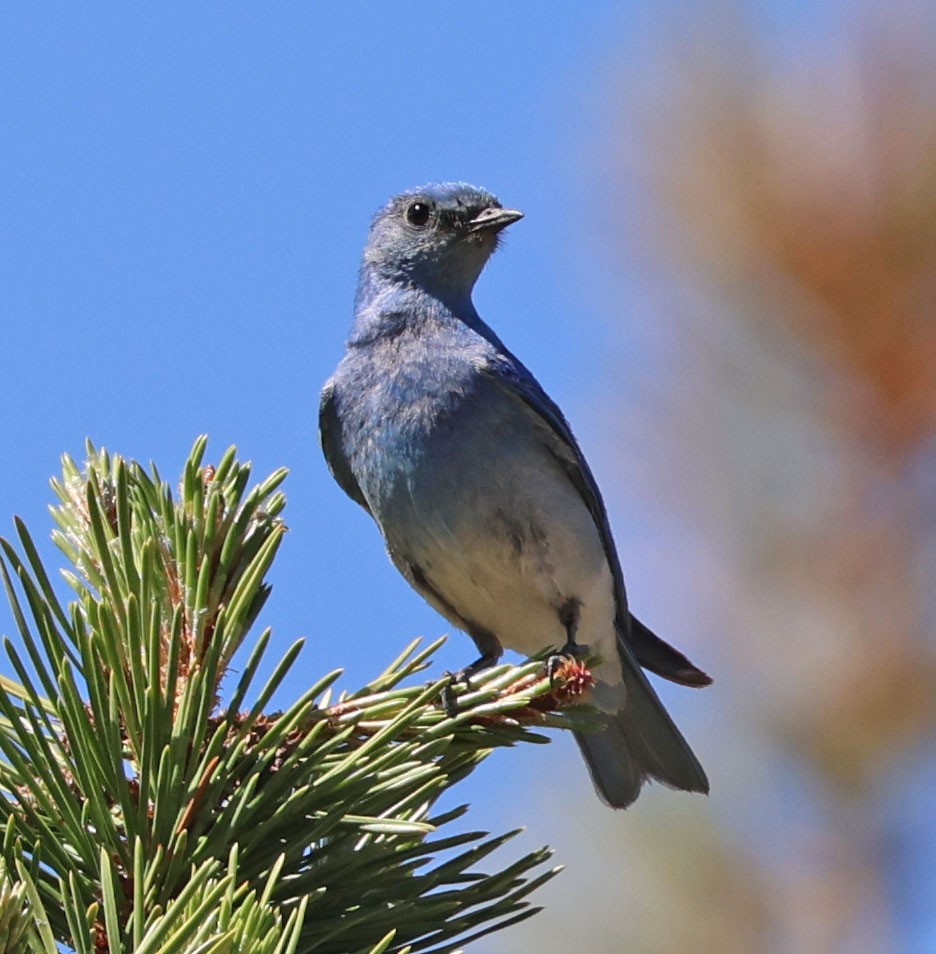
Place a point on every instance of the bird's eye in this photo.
(418, 214)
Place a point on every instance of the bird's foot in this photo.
(463, 678)
(447, 697)
(571, 652)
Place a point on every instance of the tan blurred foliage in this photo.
(819, 178)
(785, 203)
(801, 198)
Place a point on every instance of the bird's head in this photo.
(438, 237)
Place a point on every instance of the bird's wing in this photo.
(510, 375)
(333, 446)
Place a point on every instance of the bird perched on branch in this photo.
(481, 492)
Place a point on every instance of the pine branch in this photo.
(145, 815)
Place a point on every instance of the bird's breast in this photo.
(406, 403)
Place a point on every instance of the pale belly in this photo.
(506, 542)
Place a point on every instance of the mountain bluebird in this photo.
(482, 495)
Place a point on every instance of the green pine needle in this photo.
(142, 814)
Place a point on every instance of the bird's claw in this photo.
(447, 697)
(555, 662)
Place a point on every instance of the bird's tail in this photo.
(639, 743)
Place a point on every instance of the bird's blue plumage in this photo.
(485, 501)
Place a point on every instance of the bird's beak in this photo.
(493, 220)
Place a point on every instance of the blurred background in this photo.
(726, 277)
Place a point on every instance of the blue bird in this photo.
(484, 500)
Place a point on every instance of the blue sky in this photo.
(184, 193)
